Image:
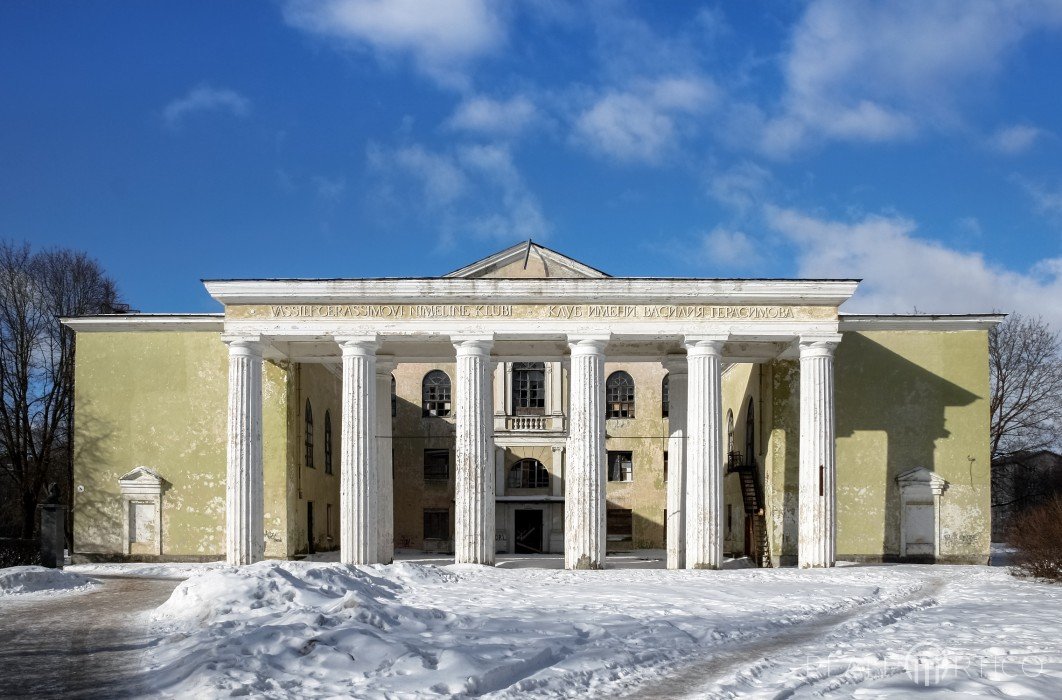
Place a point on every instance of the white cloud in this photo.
(205, 98)
(1048, 200)
(472, 190)
(642, 124)
(329, 189)
(1015, 139)
(441, 37)
(739, 187)
(867, 71)
(901, 271)
(484, 115)
(734, 249)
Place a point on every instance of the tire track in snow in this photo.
(700, 678)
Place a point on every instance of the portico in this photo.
(571, 325)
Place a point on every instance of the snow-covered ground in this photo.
(305, 629)
(178, 570)
(29, 580)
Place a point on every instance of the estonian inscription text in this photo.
(546, 311)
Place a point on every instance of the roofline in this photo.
(918, 322)
(605, 290)
(145, 322)
(502, 254)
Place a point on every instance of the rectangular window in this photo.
(729, 517)
(436, 465)
(665, 529)
(620, 466)
(620, 525)
(436, 524)
(665, 466)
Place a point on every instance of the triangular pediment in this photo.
(143, 475)
(527, 260)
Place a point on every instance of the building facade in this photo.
(530, 403)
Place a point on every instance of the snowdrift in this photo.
(22, 580)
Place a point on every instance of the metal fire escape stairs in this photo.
(755, 508)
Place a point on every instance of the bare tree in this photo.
(1026, 382)
(37, 362)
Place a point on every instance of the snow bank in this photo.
(21, 580)
(279, 629)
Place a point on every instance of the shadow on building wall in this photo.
(880, 391)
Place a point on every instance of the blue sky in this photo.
(914, 144)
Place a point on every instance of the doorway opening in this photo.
(528, 529)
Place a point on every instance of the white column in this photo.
(676, 462)
(817, 529)
(244, 491)
(474, 498)
(358, 482)
(384, 471)
(704, 454)
(584, 477)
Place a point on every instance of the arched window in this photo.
(529, 388)
(665, 396)
(750, 434)
(528, 474)
(619, 395)
(435, 393)
(308, 437)
(328, 442)
(394, 397)
(729, 432)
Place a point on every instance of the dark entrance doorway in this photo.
(528, 528)
(309, 527)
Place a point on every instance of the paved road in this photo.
(81, 645)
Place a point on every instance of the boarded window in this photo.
(620, 466)
(529, 388)
(308, 437)
(328, 443)
(619, 395)
(528, 474)
(436, 465)
(436, 393)
(436, 524)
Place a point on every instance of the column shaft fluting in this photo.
(584, 477)
(358, 482)
(676, 462)
(244, 492)
(817, 529)
(474, 476)
(704, 455)
(385, 501)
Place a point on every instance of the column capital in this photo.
(676, 364)
(700, 345)
(818, 345)
(467, 345)
(588, 343)
(358, 345)
(245, 345)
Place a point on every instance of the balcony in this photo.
(529, 424)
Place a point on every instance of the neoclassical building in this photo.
(531, 403)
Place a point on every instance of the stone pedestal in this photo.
(358, 480)
(474, 523)
(244, 495)
(817, 529)
(584, 475)
(53, 535)
(676, 462)
(704, 454)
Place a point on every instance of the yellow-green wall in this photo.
(158, 399)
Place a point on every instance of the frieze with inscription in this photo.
(633, 312)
